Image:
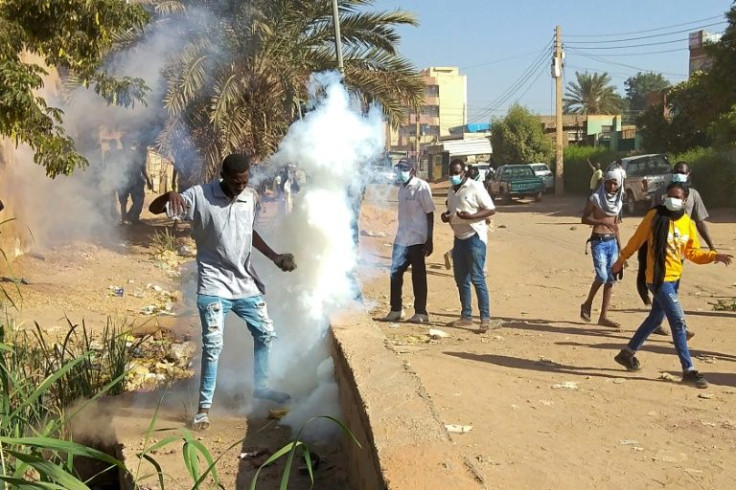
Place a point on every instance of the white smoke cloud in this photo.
(333, 144)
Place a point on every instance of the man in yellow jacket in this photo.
(669, 235)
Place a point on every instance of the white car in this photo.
(542, 170)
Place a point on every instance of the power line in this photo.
(719, 16)
(518, 83)
(606, 61)
(626, 46)
(649, 36)
(521, 55)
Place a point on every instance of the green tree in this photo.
(241, 81)
(640, 86)
(591, 94)
(682, 122)
(519, 138)
(71, 36)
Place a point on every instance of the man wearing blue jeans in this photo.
(468, 206)
(222, 213)
(601, 212)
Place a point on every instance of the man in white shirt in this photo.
(468, 206)
(413, 242)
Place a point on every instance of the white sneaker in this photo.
(419, 318)
(394, 316)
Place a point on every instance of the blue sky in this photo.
(497, 43)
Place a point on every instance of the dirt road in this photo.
(548, 405)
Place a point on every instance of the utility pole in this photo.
(559, 130)
(338, 39)
(416, 146)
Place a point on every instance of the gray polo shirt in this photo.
(223, 231)
(694, 205)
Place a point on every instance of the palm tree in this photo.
(592, 94)
(241, 80)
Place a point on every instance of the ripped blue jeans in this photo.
(212, 313)
(665, 302)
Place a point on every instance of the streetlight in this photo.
(338, 41)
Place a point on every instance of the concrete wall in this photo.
(405, 446)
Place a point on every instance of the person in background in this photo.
(601, 213)
(135, 180)
(667, 234)
(222, 213)
(413, 242)
(597, 177)
(468, 206)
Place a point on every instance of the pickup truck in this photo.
(516, 181)
(644, 175)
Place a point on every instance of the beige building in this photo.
(699, 60)
(445, 106)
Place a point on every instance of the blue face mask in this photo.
(405, 176)
(681, 178)
(456, 179)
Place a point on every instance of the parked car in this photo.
(542, 170)
(644, 175)
(516, 181)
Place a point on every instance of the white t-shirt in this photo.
(415, 201)
(471, 197)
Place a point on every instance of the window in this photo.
(432, 91)
(431, 110)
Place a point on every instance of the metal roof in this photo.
(460, 148)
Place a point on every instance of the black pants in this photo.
(401, 258)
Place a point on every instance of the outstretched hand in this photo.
(724, 258)
(285, 262)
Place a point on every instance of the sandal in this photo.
(585, 312)
(605, 322)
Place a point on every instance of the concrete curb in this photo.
(405, 445)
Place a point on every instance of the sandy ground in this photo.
(614, 429)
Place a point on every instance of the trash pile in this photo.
(163, 300)
(157, 362)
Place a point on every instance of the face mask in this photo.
(681, 178)
(405, 176)
(673, 203)
(456, 179)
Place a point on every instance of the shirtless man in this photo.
(601, 212)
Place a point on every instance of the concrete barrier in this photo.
(405, 445)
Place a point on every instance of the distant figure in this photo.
(597, 177)
(222, 215)
(413, 243)
(666, 236)
(276, 187)
(135, 178)
(287, 200)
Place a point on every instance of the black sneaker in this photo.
(629, 361)
(694, 378)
